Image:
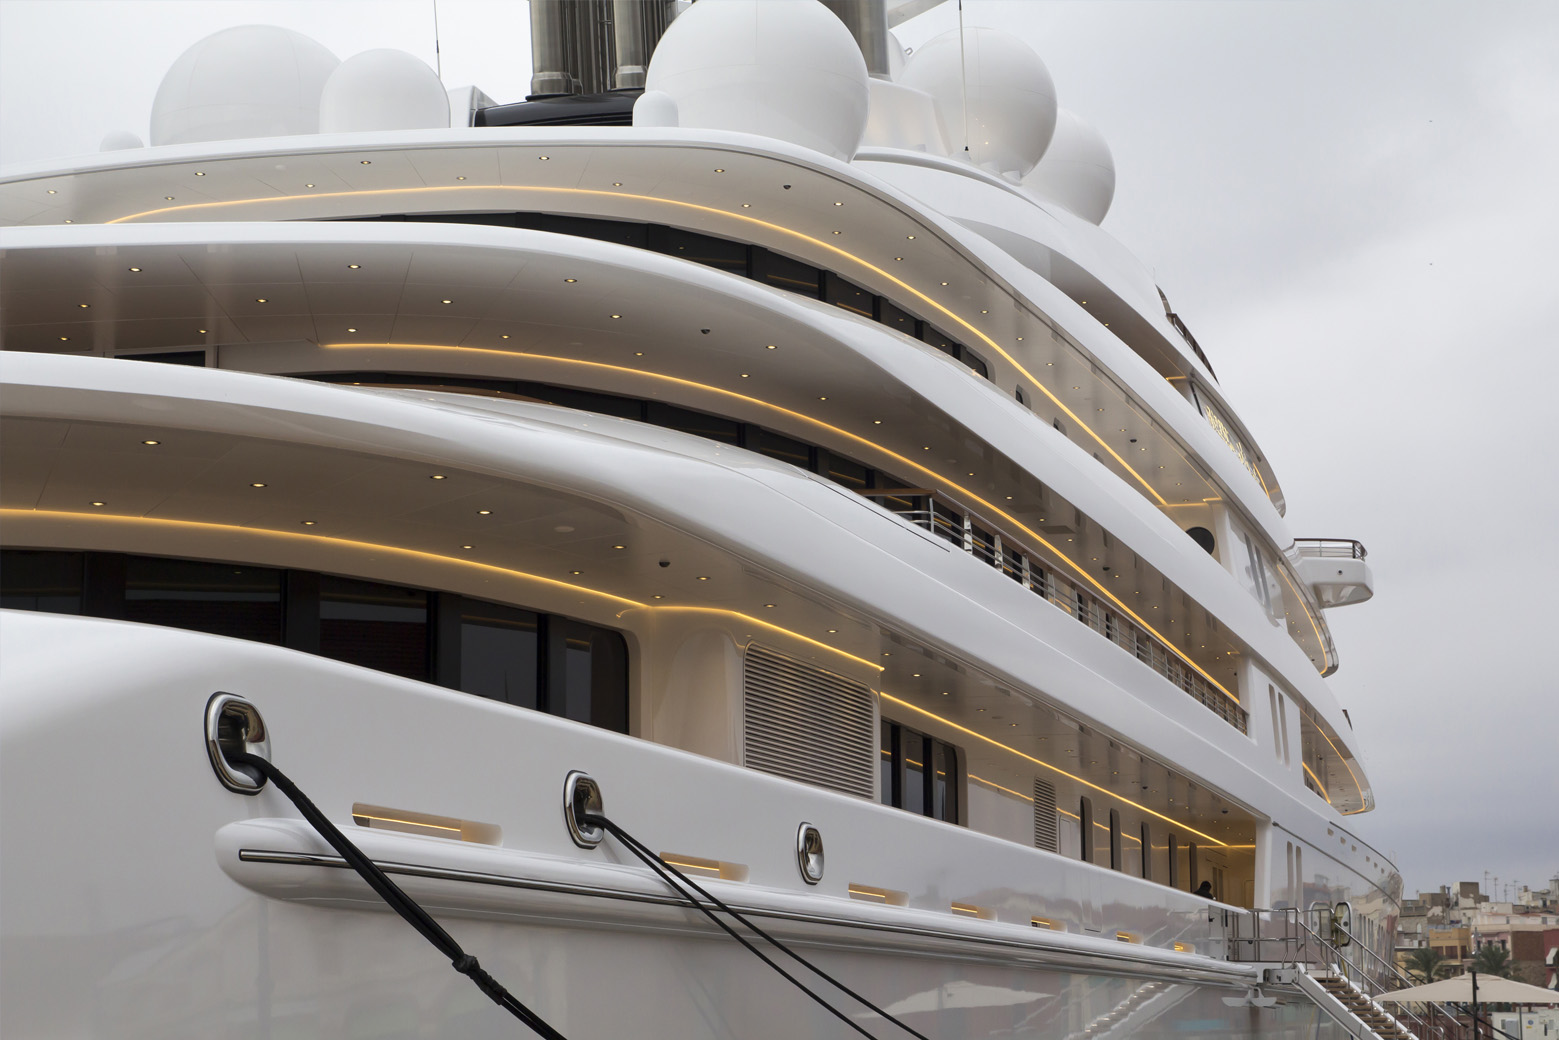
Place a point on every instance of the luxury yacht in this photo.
(738, 493)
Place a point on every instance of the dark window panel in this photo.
(585, 400)
(103, 585)
(703, 249)
(713, 427)
(500, 653)
(623, 232)
(197, 358)
(785, 273)
(497, 219)
(221, 598)
(940, 340)
(587, 674)
(851, 297)
(975, 363)
(888, 764)
(377, 626)
(41, 580)
(898, 320)
(916, 783)
(984, 543)
(778, 446)
(843, 471)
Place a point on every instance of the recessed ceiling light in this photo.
(351, 330)
(703, 577)
(260, 300)
(768, 604)
(459, 178)
(770, 346)
(638, 353)
(308, 523)
(365, 162)
(505, 335)
(353, 267)
(484, 512)
(838, 204)
(167, 198)
(308, 185)
(745, 375)
(202, 332)
(135, 269)
(257, 484)
(915, 674)
(910, 237)
(199, 173)
(468, 547)
(576, 572)
(70, 221)
(718, 170)
(746, 205)
(83, 305)
(437, 476)
(876, 422)
(617, 315)
(100, 503)
(543, 158)
(151, 442)
(617, 184)
(944, 283)
(446, 301)
(838, 232)
(657, 596)
(832, 631)
(64, 339)
(619, 547)
(53, 192)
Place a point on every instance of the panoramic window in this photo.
(532, 660)
(920, 774)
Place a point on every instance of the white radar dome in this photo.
(1077, 170)
(249, 81)
(655, 108)
(1011, 100)
(382, 89)
(118, 140)
(787, 69)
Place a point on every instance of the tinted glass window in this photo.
(944, 782)
(844, 471)
(619, 231)
(171, 357)
(585, 400)
(588, 674)
(785, 273)
(500, 652)
(895, 318)
(940, 340)
(711, 426)
(848, 295)
(912, 745)
(778, 446)
(976, 363)
(707, 250)
(48, 581)
(377, 626)
(889, 776)
(920, 774)
(220, 598)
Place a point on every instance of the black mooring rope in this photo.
(667, 872)
(391, 893)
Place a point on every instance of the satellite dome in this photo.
(382, 90)
(787, 69)
(655, 108)
(249, 81)
(1077, 170)
(1011, 99)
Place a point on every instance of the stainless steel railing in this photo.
(1331, 548)
(1300, 938)
(970, 532)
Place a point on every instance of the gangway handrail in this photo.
(1300, 945)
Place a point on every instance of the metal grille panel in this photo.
(1044, 815)
(805, 724)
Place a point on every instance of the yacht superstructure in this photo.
(806, 481)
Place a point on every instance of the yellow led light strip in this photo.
(904, 460)
(418, 554)
(1316, 723)
(1317, 781)
(1319, 642)
(1041, 762)
(691, 206)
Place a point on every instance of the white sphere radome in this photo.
(382, 89)
(1011, 100)
(655, 108)
(787, 69)
(1077, 171)
(248, 81)
(118, 140)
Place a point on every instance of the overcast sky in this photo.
(1355, 207)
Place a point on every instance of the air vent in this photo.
(805, 724)
(1044, 815)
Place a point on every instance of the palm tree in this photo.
(1493, 959)
(1426, 963)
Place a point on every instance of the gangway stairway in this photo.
(1361, 1016)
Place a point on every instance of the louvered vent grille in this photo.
(1044, 815)
(806, 724)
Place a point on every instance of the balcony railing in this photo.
(956, 525)
(1331, 548)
